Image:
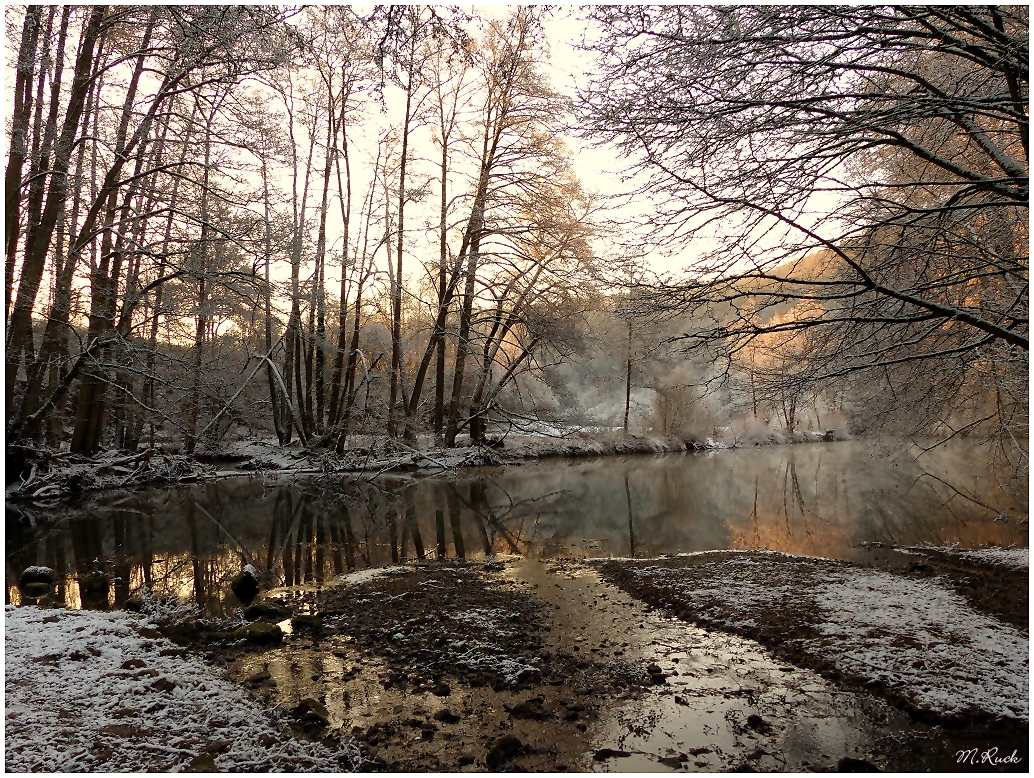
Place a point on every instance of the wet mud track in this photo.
(525, 665)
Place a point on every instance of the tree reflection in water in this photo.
(822, 500)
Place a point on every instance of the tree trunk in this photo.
(37, 245)
(396, 303)
(345, 199)
(19, 148)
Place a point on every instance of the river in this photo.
(823, 499)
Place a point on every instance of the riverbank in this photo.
(42, 475)
(944, 638)
(705, 662)
(87, 691)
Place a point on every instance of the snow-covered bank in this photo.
(916, 640)
(1015, 558)
(49, 475)
(91, 691)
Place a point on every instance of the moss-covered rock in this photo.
(34, 590)
(267, 610)
(261, 633)
(37, 574)
(307, 621)
(36, 581)
(183, 633)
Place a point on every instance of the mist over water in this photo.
(819, 499)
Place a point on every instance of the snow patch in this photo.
(85, 691)
(1017, 558)
(926, 641)
(918, 638)
(362, 576)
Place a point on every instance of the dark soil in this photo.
(446, 666)
(448, 620)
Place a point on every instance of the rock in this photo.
(445, 716)
(245, 585)
(307, 621)
(94, 582)
(36, 574)
(466, 759)
(268, 740)
(851, 765)
(133, 664)
(529, 675)
(758, 724)
(183, 633)
(503, 749)
(36, 590)
(671, 761)
(441, 690)
(260, 633)
(202, 763)
(267, 610)
(121, 730)
(163, 685)
(609, 753)
(258, 677)
(653, 669)
(529, 709)
(311, 712)
(658, 679)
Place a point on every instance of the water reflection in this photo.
(823, 499)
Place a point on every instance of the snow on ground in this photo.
(86, 691)
(925, 640)
(920, 639)
(362, 576)
(1018, 558)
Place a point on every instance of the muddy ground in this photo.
(525, 665)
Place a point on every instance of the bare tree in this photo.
(864, 173)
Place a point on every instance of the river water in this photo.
(824, 499)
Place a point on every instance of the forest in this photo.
(295, 295)
(233, 222)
